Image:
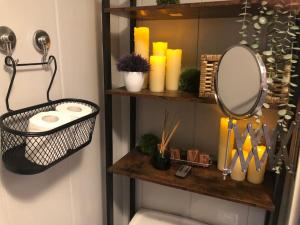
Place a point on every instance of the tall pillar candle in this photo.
(237, 173)
(173, 69)
(141, 41)
(141, 46)
(160, 48)
(254, 176)
(223, 143)
(157, 73)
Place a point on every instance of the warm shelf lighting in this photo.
(143, 13)
(175, 14)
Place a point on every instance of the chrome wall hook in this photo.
(8, 40)
(42, 43)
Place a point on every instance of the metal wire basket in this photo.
(30, 152)
(27, 152)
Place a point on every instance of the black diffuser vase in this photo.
(161, 161)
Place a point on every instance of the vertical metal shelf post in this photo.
(132, 119)
(108, 110)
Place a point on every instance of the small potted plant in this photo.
(133, 67)
(148, 144)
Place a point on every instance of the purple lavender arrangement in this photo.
(133, 63)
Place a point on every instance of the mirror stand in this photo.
(226, 170)
(271, 139)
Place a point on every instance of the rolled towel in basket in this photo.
(75, 111)
(45, 149)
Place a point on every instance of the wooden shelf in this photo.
(172, 96)
(206, 181)
(212, 9)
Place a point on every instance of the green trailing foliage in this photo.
(148, 144)
(280, 55)
(281, 58)
(190, 80)
(164, 2)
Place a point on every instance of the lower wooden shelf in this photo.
(206, 181)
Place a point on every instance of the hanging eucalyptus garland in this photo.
(281, 59)
(259, 21)
(245, 20)
(280, 52)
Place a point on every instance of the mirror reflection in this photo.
(241, 82)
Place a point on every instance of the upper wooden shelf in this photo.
(172, 95)
(209, 9)
(206, 181)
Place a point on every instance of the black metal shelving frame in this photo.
(271, 217)
(108, 112)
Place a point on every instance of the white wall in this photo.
(70, 193)
(199, 127)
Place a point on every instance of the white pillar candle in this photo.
(141, 46)
(223, 143)
(160, 48)
(157, 73)
(254, 176)
(173, 69)
(237, 173)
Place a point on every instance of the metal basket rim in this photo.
(44, 133)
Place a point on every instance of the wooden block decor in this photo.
(208, 68)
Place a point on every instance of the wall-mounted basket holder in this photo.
(26, 152)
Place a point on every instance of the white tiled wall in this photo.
(200, 122)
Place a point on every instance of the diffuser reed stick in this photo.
(167, 134)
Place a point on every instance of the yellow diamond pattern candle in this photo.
(223, 143)
(247, 146)
(160, 48)
(173, 69)
(237, 173)
(254, 176)
(157, 73)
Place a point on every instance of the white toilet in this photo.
(152, 217)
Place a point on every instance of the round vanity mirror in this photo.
(241, 85)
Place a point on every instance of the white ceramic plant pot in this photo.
(134, 81)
